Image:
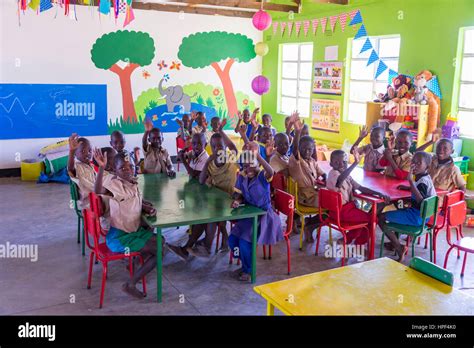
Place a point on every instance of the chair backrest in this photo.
(96, 204)
(432, 270)
(279, 182)
(452, 197)
(429, 208)
(180, 143)
(292, 189)
(74, 189)
(285, 203)
(331, 202)
(456, 214)
(92, 229)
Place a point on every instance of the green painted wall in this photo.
(429, 31)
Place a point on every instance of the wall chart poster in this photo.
(327, 78)
(326, 115)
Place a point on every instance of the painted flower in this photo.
(163, 123)
(245, 101)
(154, 117)
(215, 91)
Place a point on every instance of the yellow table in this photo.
(376, 287)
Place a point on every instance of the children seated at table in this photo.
(421, 187)
(372, 152)
(397, 160)
(253, 188)
(157, 158)
(117, 141)
(194, 160)
(279, 159)
(339, 180)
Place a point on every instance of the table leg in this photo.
(270, 309)
(373, 228)
(254, 249)
(159, 266)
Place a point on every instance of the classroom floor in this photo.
(56, 283)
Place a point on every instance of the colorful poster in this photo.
(326, 115)
(327, 78)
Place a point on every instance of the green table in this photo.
(183, 201)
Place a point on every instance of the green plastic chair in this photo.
(80, 220)
(432, 270)
(429, 207)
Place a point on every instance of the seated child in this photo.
(279, 159)
(372, 152)
(80, 168)
(267, 122)
(117, 141)
(195, 160)
(290, 132)
(110, 153)
(127, 232)
(183, 136)
(421, 187)
(340, 180)
(245, 118)
(157, 158)
(253, 187)
(265, 142)
(397, 161)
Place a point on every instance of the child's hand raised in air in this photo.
(100, 158)
(363, 132)
(194, 116)
(255, 112)
(148, 125)
(180, 122)
(269, 147)
(243, 129)
(239, 115)
(73, 142)
(356, 155)
(222, 124)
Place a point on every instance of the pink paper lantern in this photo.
(262, 20)
(260, 85)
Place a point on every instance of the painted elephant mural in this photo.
(174, 95)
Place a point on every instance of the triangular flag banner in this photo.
(45, 5)
(380, 69)
(34, 4)
(282, 27)
(343, 21)
(391, 75)
(297, 28)
(275, 28)
(367, 46)
(361, 32)
(305, 27)
(104, 7)
(433, 86)
(332, 21)
(353, 13)
(290, 27)
(315, 25)
(373, 57)
(123, 6)
(129, 17)
(323, 22)
(357, 19)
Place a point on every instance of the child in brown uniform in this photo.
(157, 158)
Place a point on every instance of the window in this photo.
(362, 85)
(466, 85)
(295, 78)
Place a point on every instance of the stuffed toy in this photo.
(420, 90)
(398, 91)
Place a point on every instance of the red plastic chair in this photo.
(456, 215)
(330, 204)
(103, 253)
(180, 145)
(284, 204)
(96, 208)
(278, 182)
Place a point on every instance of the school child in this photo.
(183, 136)
(127, 233)
(290, 132)
(157, 158)
(279, 159)
(80, 168)
(118, 142)
(304, 169)
(339, 179)
(194, 160)
(265, 142)
(110, 153)
(372, 152)
(421, 187)
(246, 119)
(267, 122)
(397, 160)
(253, 187)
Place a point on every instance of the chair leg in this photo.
(130, 266)
(288, 254)
(144, 278)
(301, 232)
(89, 276)
(217, 239)
(381, 244)
(330, 236)
(343, 248)
(83, 240)
(78, 230)
(457, 238)
(447, 256)
(412, 245)
(269, 252)
(104, 278)
(318, 235)
(231, 259)
(426, 242)
(264, 252)
(433, 241)
(431, 246)
(463, 264)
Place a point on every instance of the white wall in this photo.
(57, 50)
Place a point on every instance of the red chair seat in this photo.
(105, 252)
(439, 221)
(344, 226)
(465, 244)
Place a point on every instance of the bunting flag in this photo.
(34, 4)
(104, 7)
(361, 32)
(343, 21)
(332, 22)
(373, 57)
(391, 75)
(367, 46)
(282, 27)
(353, 13)
(297, 28)
(129, 17)
(275, 28)
(22, 4)
(290, 27)
(315, 25)
(305, 27)
(380, 69)
(357, 19)
(323, 22)
(45, 5)
(433, 86)
(123, 6)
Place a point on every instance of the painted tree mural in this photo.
(208, 49)
(133, 48)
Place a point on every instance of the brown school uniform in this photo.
(446, 176)
(279, 162)
(403, 162)
(346, 188)
(372, 157)
(223, 177)
(305, 173)
(156, 160)
(85, 180)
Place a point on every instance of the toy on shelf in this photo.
(398, 90)
(423, 96)
(450, 130)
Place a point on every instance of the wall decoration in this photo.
(326, 115)
(162, 65)
(175, 65)
(331, 53)
(327, 78)
(261, 48)
(52, 110)
(260, 85)
(262, 20)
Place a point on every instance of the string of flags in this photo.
(104, 7)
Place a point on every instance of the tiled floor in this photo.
(56, 283)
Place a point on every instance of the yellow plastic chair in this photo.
(303, 210)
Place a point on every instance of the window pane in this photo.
(469, 41)
(305, 89)
(381, 87)
(389, 47)
(357, 46)
(466, 122)
(288, 105)
(290, 52)
(360, 70)
(306, 70)
(361, 91)
(288, 87)
(289, 70)
(467, 73)
(466, 96)
(357, 113)
(306, 52)
(303, 107)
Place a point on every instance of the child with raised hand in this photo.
(280, 159)
(246, 119)
(110, 154)
(183, 137)
(118, 142)
(195, 160)
(157, 158)
(253, 187)
(339, 180)
(421, 187)
(267, 122)
(397, 159)
(127, 232)
(80, 168)
(372, 152)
